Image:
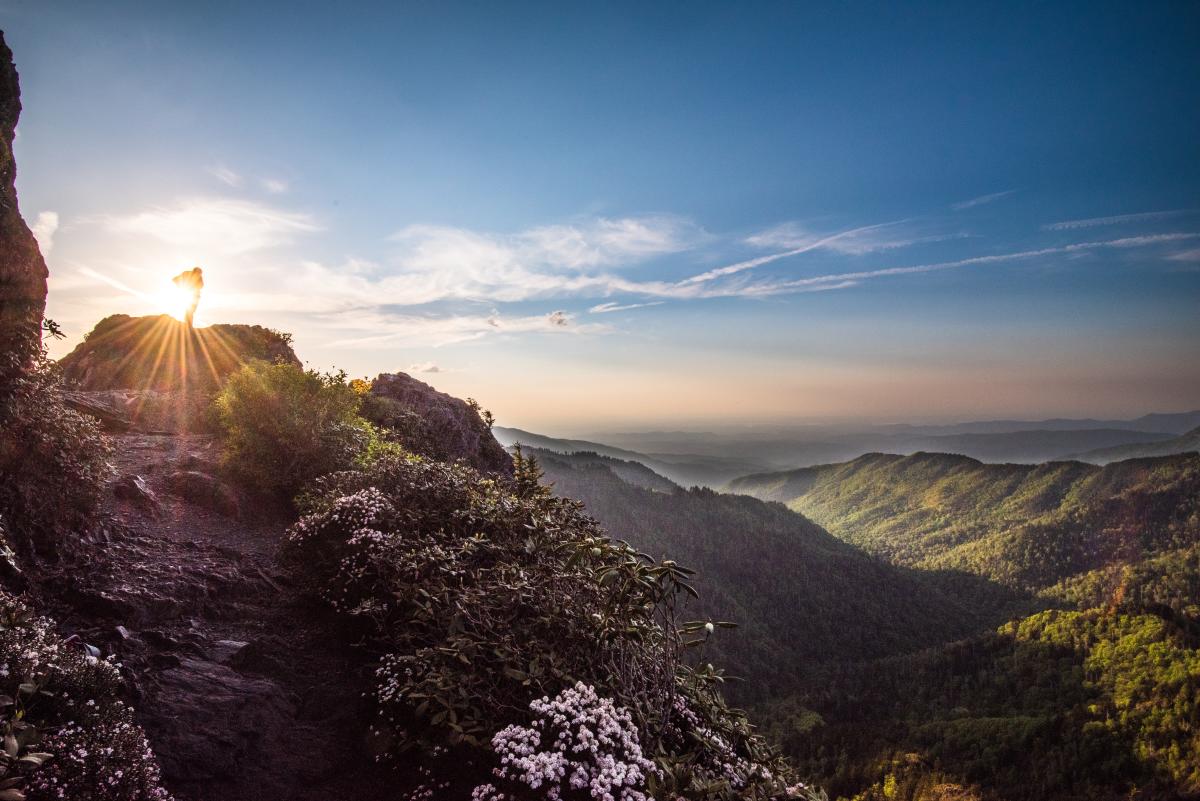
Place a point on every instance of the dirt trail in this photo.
(246, 691)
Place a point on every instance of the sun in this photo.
(173, 300)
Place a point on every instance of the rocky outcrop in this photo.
(161, 354)
(133, 489)
(435, 424)
(22, 269)
(244, 689)
(204, 490)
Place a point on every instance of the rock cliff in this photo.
(22, 269)
(435, 424)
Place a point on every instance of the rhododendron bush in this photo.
(66, 736)
(509, 627)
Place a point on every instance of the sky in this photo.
(622, 215)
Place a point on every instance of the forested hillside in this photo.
(1097, 703)
(1028, 526)
(799, 595)
(1068, 705)
(1059, 660)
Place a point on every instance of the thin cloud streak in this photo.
(781, 287)
(439, 331)
(750, 264)
(604, 308)
(981, 200)
(225, 175)
(1117, 219)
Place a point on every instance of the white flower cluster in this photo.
(96, 749)
(364, 509)
(108, 759)
(577, 741)
(353, 525)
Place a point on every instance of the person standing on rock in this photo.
(191, 281)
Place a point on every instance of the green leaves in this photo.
(484, 594)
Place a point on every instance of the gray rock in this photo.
(225, 650)
(134, 490)
(22, 269)
(204, 490)
(435, 424)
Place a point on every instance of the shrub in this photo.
(480, 595)
(53, 462)
(285, 426)
(66, 735)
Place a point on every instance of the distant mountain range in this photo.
(682, 468)
(714, 458)
(1185, 443)
(876, 641)
(1028, 526)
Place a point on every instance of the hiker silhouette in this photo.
(191, 281)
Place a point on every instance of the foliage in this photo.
(480, 595)
(1065, 704)
(1057, 705)
(53, 462)
(800, 595)
(66, 734)
(285, 426)
(161, 353)
(1027, 526)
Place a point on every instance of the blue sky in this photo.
(638, 214)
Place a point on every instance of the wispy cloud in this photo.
(433, 263)
(275, 186)
(981, 200)
(225, 175)
(1117, 219)
(1186, 255)
(604, 308)
(425, 290)
(215, 225)
(44, 227)
(403, 329)
(855, 242)
(839, 280)
(425, 367)
(780, 237)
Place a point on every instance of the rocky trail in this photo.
(245, 690)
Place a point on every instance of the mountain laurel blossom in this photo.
(577, 741)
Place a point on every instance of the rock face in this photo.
(204, 490)
(159, 353)
(435, 424)
(133, 489)
(22, 269)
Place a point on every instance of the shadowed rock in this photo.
(435, 424)
(160, 353)
(22, 269)
(134, 490)
(204, 490)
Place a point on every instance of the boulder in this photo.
(112, 419)
(22, 269)
(204, 490)
(435, 424)
(134, 490)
